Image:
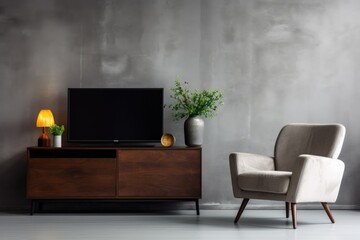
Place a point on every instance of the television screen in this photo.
(115, 114)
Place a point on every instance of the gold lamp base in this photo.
(44, 140)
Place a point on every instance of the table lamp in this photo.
(44, 119)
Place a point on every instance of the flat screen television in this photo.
(115, 115)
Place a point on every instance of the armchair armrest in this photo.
(244, 162)
(315, 179)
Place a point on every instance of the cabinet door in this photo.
(71, 178)
(159, 173)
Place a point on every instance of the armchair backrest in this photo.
(316, 139)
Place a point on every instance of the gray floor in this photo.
(212, 224)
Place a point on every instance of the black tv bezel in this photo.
(114, 141)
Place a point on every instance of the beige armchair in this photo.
(304, 168)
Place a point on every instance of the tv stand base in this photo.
(113, 174)
(37, 205)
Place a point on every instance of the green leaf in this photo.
(56, 130)
(193, 103)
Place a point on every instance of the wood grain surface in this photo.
(159, 173)
(71, 178)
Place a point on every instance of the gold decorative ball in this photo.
(168, 140)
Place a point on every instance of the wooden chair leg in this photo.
(242, 208)
(287, 206)
(293, 213)
(328, 212)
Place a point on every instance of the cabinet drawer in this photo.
(71, 178)
(159, 173)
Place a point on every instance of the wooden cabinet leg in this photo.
(328, 212)
(32, 207)
(293, 213)
(287, 206)
(197, 207)
(242, 208)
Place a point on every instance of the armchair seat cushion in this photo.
(265, 181)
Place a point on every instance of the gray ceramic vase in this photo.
(194, 131)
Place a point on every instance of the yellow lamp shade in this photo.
(45, 118)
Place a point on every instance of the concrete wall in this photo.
(277, 61)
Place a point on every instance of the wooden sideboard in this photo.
(93, 173)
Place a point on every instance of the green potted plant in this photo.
(193, 105)
(57, 131)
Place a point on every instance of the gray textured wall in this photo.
(277, 61)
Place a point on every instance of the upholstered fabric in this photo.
(314, 139)
(251, 162)
(307, 153)
(265, 181)
(315, 179)
(242, 162)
